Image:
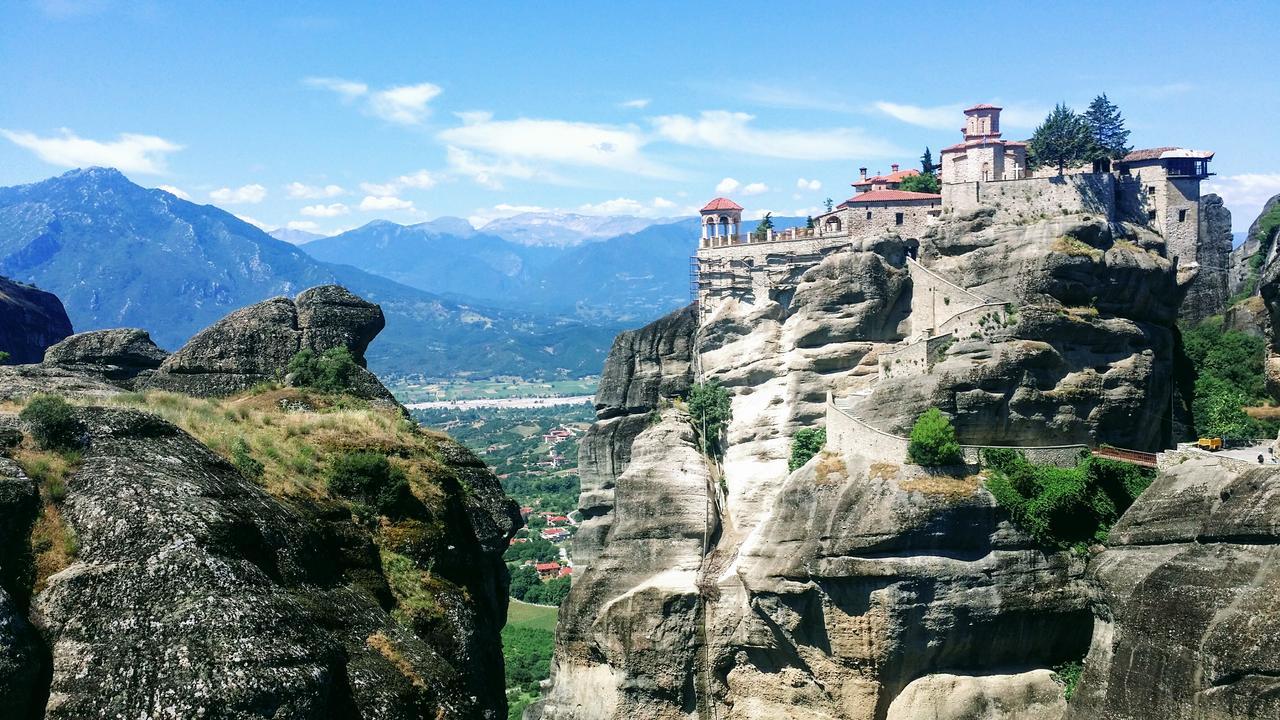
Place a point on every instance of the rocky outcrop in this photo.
(23, 665)
(33, 320)
(1243, 261)
(1208, 293)
(1082, 352)
(120, 355)
(255, 607)
(1188, 614)
(255, 344)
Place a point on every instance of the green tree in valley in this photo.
(710, 411)
(933, 441)
(1106, 126)
(1063, 139)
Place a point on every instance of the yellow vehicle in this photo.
(1211, 444)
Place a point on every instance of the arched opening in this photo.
(832, 224)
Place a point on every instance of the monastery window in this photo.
(1151, 189)
(1182, 215)
(868, 214)
(897, 218)
(1151, 215)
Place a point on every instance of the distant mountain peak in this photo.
(566, 229)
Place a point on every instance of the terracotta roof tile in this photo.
(890, 178)
(721, 204)
(889, 196)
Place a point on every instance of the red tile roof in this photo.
(890, 178)
(890, 196)
(983, 106)
(565, 571)
(547, 567)
(721, 204)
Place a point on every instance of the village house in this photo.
(554, 534)
(547, 570)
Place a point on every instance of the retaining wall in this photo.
(1030, 199)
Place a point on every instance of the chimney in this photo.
(862, 173)
(895, 167)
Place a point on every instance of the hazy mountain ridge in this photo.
(120, 255)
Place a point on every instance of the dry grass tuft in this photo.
(53, 543)
(948, 486)
(384, 647)
(883, 471)
(830, 470)
(1067, 245)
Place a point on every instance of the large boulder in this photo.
(257, 607)
(255, 344)
(1188, 618)
(22, 655)
(32, 321)
(119, 355)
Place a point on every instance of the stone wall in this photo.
(916, 358)
(873, 217)
(1033, 199)
(935, 299)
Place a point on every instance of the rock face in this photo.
(1189, 614)
(33, 320)
(254, 344)
(120, 355)
(1082, 352)
(1242, 261)
(858, 588)
(1209, 291)
(23, 663)
(253, 607)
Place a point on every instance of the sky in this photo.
(324, 116)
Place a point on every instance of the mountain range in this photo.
(119, 255)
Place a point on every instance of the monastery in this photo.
(1158, 188)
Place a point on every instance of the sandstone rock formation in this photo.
(121, 355)
(254, 344)
(1188, 621)
(252, 607)
(1209, 292)
(857, 587)
(1243, 264)
(33, 320)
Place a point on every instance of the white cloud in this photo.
(405, 104)
(312, 192)
(733, 131)
(400, 104)
(557, 141)
(420, 180)
(727, 185)
(637, 104)
(129, 153)
(487, 171)
(243, 195)
(385, 203)
(176, 192)
(657, 207)
(304, 225)
(951, 117)
(253, 221)
(755, 188)
(1244, 195)
(325, 211)
(808, 184)
(348, 90)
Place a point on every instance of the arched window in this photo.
(833, 224)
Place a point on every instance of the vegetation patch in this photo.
(527, 649)
(386, 648)
(1074, 247)
(933, 441)
(710, 411)
(1063, 507)
(950, 487)
(1230, 376)
(331, 371)
(370, 479)
(806, 443)
(830, 470)
(52, 422)
(1068, 676)
(53, 543)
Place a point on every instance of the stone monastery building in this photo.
(1158, 188)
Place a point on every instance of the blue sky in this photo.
(328, 115)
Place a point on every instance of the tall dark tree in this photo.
(1062, 139)
(926, 162)
(1106, 125)
(808, 223)
(766, 224)
(829, 203)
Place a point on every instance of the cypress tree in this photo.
(1106, 125)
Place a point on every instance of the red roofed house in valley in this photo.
(548, 571)
(983, 156)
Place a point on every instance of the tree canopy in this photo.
(933, 440)
(927, 183)
(1106, 126)
(926, 162)
(1063, 139)
(710, 410)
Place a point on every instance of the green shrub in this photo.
(1229, 377)
(370, 479)
(1068, 675)
(933, 441)
(1063, 507)
(710, 410)
(53, 423)
(331, 371)
(4, 358)
(247, 464)
(806, 443)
